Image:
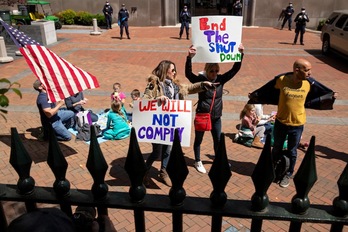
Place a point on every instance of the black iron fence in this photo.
(258, 209)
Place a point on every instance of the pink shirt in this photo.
(249, 122)
(121, 95)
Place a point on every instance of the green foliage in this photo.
(83, 18)
(100, 19)
(5, 87)
(321, 24)
(67, 16)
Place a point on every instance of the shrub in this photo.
(7, 86)
(100, 19)
(67, 16)
(83, 18)
(70, 17)
(321, 24)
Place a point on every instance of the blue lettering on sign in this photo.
(159, 133)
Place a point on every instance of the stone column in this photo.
(3, 53)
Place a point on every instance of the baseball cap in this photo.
(302, 8)
(37, 84)
(44, 219)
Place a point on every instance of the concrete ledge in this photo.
(41, 31)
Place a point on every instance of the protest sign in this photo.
(155, 122)
(217, 38)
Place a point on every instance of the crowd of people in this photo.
(292, 92)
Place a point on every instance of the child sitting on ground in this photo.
(135, 95)
(250, 121)
(117, 126)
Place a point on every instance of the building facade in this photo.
(166, 12)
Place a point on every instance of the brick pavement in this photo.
(268, 52)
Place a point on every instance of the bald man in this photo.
(292, 92)
(291, 114)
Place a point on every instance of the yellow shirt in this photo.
(291, 110)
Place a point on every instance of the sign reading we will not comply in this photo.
(156, 122)
(217, 38)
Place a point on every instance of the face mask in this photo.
(185, 9)
(107, 3)
(290, 5)
(303, 11)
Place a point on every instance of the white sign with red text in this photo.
(217, 38)
(155, 122)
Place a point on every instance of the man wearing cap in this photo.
(107, 10)
(301, 20)
(185, 19)
(52, 115)
(289, 10)
(123, 16)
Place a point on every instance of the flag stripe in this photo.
(61, 78)
(54, 82)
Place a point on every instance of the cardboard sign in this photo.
(155, 122)
(217, 38)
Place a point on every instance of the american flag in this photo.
(61, 78)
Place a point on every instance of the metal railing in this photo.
(258, 209)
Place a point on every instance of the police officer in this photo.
(301, 20)
(289, 10)
(185, 19)
(123, 16)
(107, 10)
(237, 8)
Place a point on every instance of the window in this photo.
(332, 18)
(341, 21)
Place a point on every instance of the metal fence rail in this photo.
(298, 211)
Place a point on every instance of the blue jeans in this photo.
(215, 132)
(294, 134)
(157, 151)
(60, 126)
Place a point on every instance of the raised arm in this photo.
(188, 65)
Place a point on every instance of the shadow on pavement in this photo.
(40, 147)
(329, 153)
(334, 60)
(118, 172)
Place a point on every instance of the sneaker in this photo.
(285, 181)
(163, 175)
(199, 166)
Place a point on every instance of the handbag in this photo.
(202, 121)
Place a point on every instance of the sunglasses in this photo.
(214, 71)
(173, 70)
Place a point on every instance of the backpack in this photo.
(83, 117)
(244, 136)
(84, 132)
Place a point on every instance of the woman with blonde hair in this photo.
(208, 98)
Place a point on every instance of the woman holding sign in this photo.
(163, 85)
(208, 98)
